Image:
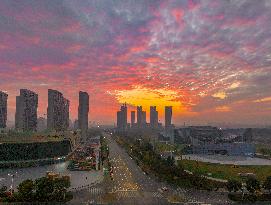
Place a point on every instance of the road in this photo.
(130, 185)
(129, 176)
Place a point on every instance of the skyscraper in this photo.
(42, 124)
(57, 111)
(26, 110)
(144, 119)
(3, 109)
(153, 117)
(119, 120)
(132, 118)
(124, 110)
(139, 116)
(169, 127)
(83, 110)
(168, 116)
(122, 118)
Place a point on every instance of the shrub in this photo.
(234, 185)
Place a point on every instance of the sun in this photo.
(147, 97)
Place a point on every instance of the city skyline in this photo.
(153, 115)
(210, 60)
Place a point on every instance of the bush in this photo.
(42, 190)
(253, 185)
(267, 183)
(239, 197)
(234, 185)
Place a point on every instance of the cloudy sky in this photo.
(210, 60)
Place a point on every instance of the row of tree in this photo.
(43, 189)
(251, 184)
(165, 168)
(251, 190)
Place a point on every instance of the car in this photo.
(163, 189)
(160, 190)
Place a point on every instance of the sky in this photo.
(210, 60)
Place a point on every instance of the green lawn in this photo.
(225, 171)
(263, 149)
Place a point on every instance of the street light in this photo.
(12, 180)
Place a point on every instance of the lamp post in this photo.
(12, 180)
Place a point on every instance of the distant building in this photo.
(42, 124)
(122, 118)
(197, 135)
(139, 116)
(75, 125)
(168, 116)
(71, 124)
(3, 109)
(232, 149)
(57, 111)
(83, 110)
(119, 120)
(26, 111)
(153, 117)
(132, 118)
(144, 119)
(247, 136)
(210, 140)
(169, 127)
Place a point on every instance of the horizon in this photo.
(212, 65)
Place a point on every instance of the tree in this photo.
(25, 190)
(234, 185)
(253, 185)
(44, 189)
(60, 188)
(3, 191)
(170, 161)
(267, 183)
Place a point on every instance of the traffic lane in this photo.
(148, 184)
(122, 175)
(117, 152)
(145, 182)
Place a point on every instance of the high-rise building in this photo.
(83, 110)
(132, 118)
(169, 127)
(144, 119)
(57, 111)
(42, 124)
(3, 109)
(139, 116)
(66, 114)
(75, 124)
(168, 116)
(122, 118)
(119, 120)
(26, 110)
(124, 110)
(153, 117)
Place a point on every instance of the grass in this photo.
(226, 171)
(162, 147)
(263, 149)
(176, 199)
